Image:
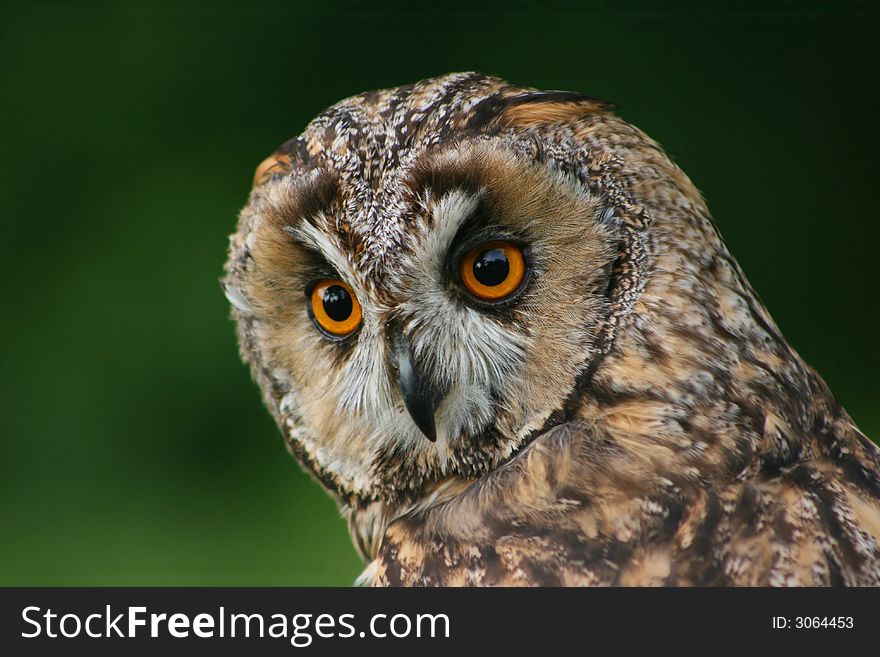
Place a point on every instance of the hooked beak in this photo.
(421, 399)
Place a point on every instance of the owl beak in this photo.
(421, 399)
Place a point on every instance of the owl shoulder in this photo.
(576, 508)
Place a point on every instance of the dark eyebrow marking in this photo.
(314, 194)
(317, 196)
(442, 178)
(313, 199)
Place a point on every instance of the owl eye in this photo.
(493, 271)
(335, 308)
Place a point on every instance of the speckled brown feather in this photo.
(690, 444)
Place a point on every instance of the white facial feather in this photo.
(470, 353)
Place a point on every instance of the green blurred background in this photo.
(135, 449)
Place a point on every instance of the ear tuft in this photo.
(275, 163)
(550, 107)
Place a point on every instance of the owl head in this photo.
(428, 276)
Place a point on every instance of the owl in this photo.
(499, 326)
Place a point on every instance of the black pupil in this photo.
(337, 303)
(491, 267)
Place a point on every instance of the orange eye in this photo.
(493, 271)
(335, 307)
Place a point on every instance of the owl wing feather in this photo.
(585, 506)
